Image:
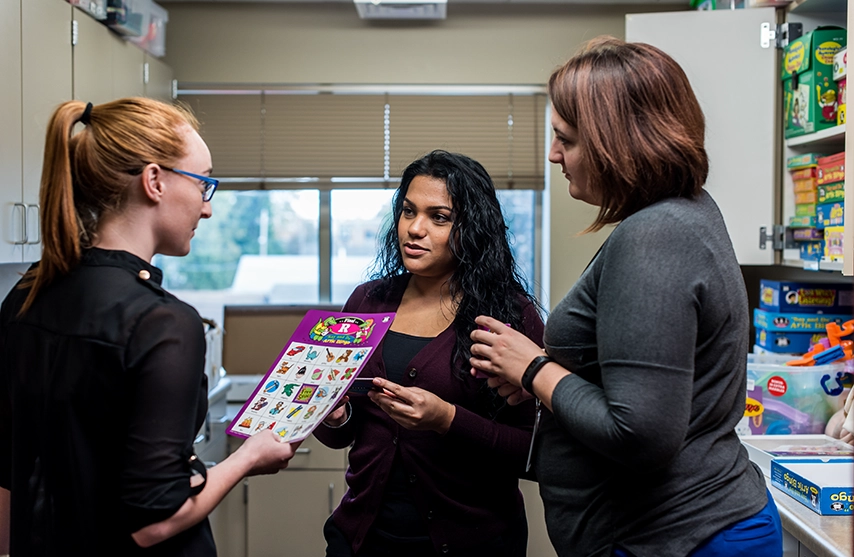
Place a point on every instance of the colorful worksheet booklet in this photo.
(315, 369)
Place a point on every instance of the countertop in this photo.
(826, 536)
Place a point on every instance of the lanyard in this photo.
(533, 436)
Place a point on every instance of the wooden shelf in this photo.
(828, 266)
(831, 137)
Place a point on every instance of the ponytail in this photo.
(60, 225)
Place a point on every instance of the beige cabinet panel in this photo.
(159, 83)
(538, 538)
(11, 192)
(93, 77)
(127, 63)
(45, 83)
(286, 512)
(228, 522)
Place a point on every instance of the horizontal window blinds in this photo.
(280, 139)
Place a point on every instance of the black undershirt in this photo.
(398, 517)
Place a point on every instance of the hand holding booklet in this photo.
(317, 366)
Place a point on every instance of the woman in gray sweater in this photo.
(644, 369)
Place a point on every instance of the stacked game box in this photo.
(792, 315)
(840, 76)
(830, 204)
(804, 171)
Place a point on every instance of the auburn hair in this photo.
(86, 175)
(641, 130)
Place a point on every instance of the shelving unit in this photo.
(813, 13)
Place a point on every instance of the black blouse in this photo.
(102, 390)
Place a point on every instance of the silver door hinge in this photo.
(779, 36)
(145, 73)
(74, 32)
(781, 237)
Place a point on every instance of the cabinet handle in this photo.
(23, 224)
(38, 224)
(331, 497)
(303, 450)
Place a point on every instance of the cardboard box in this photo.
(829, 214)
(831, 169)
(806, 297)
(796, 322)
(806, 160)
(834, 241)
(811, 251)
(762, 449)
(802, 222)
(788, 342)
(823, 487)
(807, 235)
(840, 64)
(805, 210)
(828, 193)
(809, 92)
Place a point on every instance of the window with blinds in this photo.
(287, 139)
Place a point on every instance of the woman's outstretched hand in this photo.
(503, 354)
(413, 407)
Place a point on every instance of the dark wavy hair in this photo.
(486, 280)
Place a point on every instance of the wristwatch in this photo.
(532, 370)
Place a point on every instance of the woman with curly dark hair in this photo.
(436, 454)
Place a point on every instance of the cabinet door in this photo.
(285, 513)
(127, 64)
(159, 79)
(735, 80)
(538, 537)
(45, 83)
(93, 77)
(11, 192)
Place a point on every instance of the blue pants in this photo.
(760, 535)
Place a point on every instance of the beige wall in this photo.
(327, 43)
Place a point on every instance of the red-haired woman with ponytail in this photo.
(102, 384)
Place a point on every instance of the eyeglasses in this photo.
(210, 183)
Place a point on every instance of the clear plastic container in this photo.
(785, 399)
(154, 40)
(129, 17)
(95, 8)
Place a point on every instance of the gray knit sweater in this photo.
(641, 451)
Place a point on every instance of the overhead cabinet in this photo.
(52, 52)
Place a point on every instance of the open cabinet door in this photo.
(735, 80)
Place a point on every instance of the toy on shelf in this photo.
(830, 349)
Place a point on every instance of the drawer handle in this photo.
(303, 450)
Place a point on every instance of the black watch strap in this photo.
(532, 370)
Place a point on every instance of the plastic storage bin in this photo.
(95, 8)
(784, 399)
(154, 40)
(129, 17)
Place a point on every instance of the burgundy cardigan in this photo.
(465, 483)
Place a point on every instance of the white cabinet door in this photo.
(11, 192)
(735, 80)
(127, 66)
(93, 76)
(159, 83)
(45, 83)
